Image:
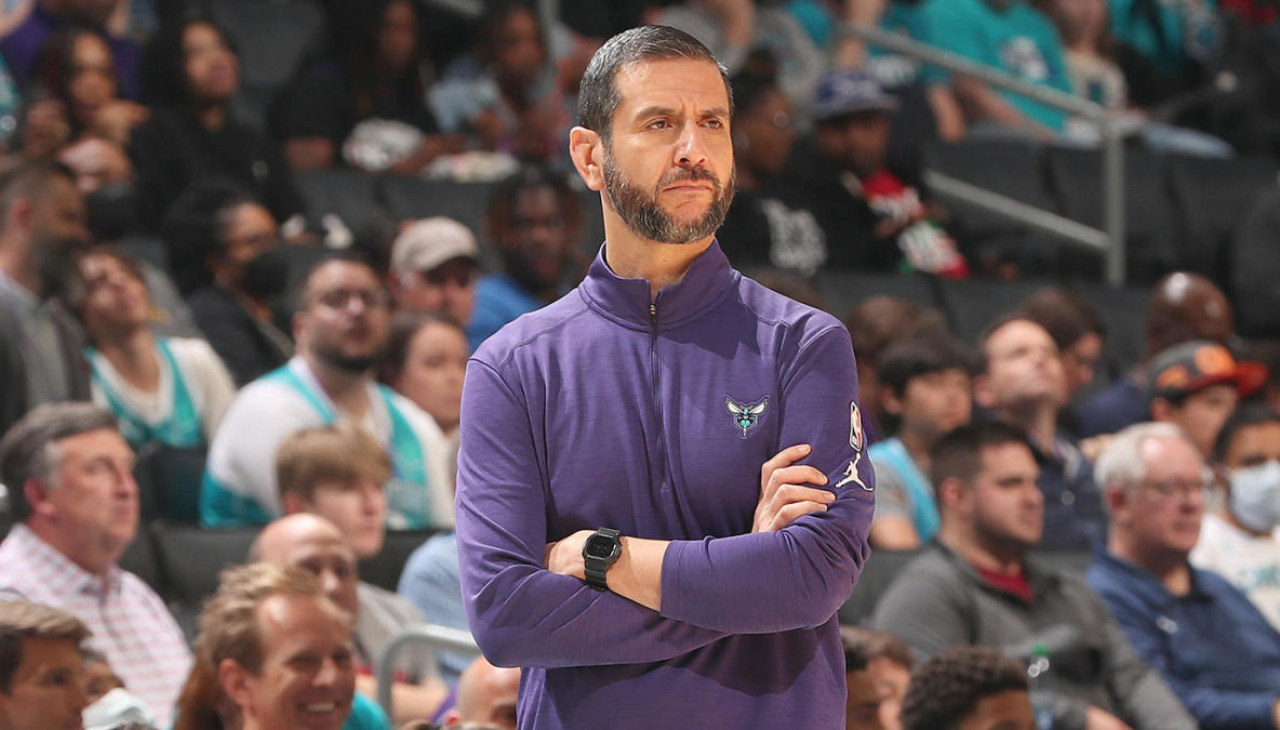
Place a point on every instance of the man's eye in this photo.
(715, 123)
(659, 124)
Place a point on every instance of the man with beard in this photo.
(533, 221)
(341, 329)
(976, 584)
(42, 227)
(654, 402)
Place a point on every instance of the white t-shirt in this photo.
(207, 380)
(1249, 562)
(242, 457)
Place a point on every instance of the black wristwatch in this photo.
(600, 551)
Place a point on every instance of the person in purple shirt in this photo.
(614, 537)
(21, 46)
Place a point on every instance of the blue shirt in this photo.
(652, 416)
(499, 300)
(1019, 40)
(366, 715)
(1122, 404)
(1216, 651)
(1074, 518)
(431, 582)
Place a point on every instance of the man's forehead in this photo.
(1016, 333)
(318, 547)
(92, 444)
(1171, 455)
(671, 81)
(1007, 457)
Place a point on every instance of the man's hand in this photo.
(783, 498)
(564, 557)
(1098, 719)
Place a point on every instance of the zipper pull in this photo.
(653, 314)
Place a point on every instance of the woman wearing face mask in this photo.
(1239, 541)
(224, 250)
(171, 391)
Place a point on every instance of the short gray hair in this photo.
(29, 450)
(1121, 463)
(598, 95)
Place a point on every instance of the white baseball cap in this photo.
(423, 245)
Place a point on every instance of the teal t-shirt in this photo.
(1019, 40)
(1168, 32)
(893, 70)
(366, 715)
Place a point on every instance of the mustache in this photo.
(697, 174)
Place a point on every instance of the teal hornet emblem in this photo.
(745, 416)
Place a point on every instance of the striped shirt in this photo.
(130, 624)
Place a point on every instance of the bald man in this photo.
(311, 542)
(486, 694)
(1183, 307)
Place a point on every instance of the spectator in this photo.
(875, 324)
(977, 584)
(73, 495)
(21, 46)
(337, 472)
(1077, 328)
(312, 543)
(880, 221)
(1011, 36)
(1196, 386)
(164, 391)
(486, 694)
(40, 667)
(864, 699)
(1157, 485)
(968, 688)
(1168, 46)
(1183, 307)
(191, 74)
(104, 175)
(766, 226)
(224, 247)
(77, 70)
(432, 582)
(505, 94)
(433, 267)
(925, 385)
(1021, 381)
(41, 231)
(341, 329)
(533, 220)
(371, 110)
(889, 662)
(425, 362)
(1238, 538)
(111, 706)
(274, 652)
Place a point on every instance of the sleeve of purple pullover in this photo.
(521, 614)
(799, 576)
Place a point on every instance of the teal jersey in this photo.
(1018, 40)
(182, 429)
(366, 715)
(1168, 32)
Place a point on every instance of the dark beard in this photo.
(57, 266)
(646, 218)
(353, 364)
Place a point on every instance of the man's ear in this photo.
(586, 148)
(293, 503)
(1117, 500)
(891, 403)
(982, 394)
(1161, 410)
(955, 496)
(37, 494)
(234, 680)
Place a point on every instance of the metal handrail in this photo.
(432, 635)
(1111, 238)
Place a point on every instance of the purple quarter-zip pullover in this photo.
(606, 410)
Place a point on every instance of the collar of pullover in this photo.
(627, 301)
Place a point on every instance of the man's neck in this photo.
(95, 562)
(212, 116)
(918, 447)
(980, 553)
(17, 266)
(632, 257)
(1170, 568)
(346, 389)
(1039, 420)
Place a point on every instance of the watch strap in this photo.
(597, 569)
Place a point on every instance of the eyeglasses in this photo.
(340, 299)
(1167, 488)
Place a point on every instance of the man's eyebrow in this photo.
(655, 111)
(715, 111)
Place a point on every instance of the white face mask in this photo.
(118, 709)
(1255, 496)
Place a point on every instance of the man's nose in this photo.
(691, 149)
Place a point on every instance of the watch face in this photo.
(599, 547)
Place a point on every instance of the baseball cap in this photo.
(1193, 366)
(847, 91)
(425, 244)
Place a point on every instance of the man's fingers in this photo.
(794, 511)
(796, 493)
(786, 457)
(795, 475)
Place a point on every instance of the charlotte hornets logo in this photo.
(745, 416)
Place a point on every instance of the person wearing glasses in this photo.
(341, 331)
(980, 582)
(1218, 653)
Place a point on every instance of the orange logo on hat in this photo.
(1175, 378)
(1214, 360)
